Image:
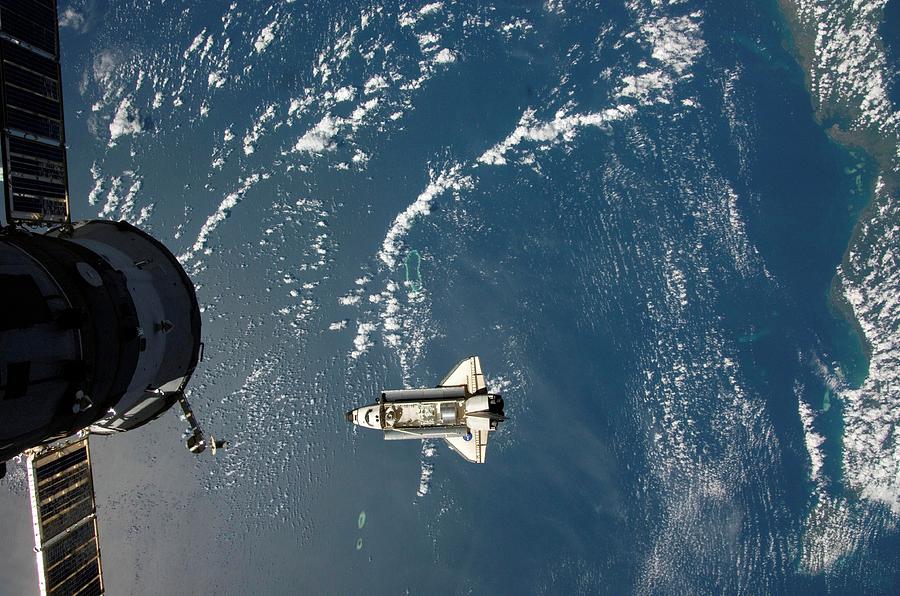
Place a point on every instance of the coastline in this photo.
(838, 45)
(837, 118)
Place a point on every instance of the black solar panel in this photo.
(65, 524)
(72, 560)
(47, 468)
(31, 113)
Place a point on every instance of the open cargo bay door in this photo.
(63, 508)
(32, 133)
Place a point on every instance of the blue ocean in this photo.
(628, 210)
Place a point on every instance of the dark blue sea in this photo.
(628, 211)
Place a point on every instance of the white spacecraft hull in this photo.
(459, 410)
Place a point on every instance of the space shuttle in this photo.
(459, 410)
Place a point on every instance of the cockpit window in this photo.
(367, 416)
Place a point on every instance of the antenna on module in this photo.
(196, 440)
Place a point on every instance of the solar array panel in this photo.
(65, 522)
(32, 132)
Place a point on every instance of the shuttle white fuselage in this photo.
(459, 410)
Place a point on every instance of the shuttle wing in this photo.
(468, 373)
(475, 449)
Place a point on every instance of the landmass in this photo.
(847, 71)
(845, 64)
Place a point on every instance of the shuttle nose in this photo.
(350, 416)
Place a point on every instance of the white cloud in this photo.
(813, 440)
(105, 64)
(256, 132)
(125, 122)
(72, 19)
(224, 208)
(362, 343)
(196, 43)
(870, 278)
(319, 138)
(562, 127)
(216, 79)
(344, 94)
(374, 84)
(448, 179)
(430, 8)
(445, 56)
(265, 37)
(426, 40)
(676, 41)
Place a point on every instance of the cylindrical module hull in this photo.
(99, 325)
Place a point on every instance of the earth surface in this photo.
(629, 210)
